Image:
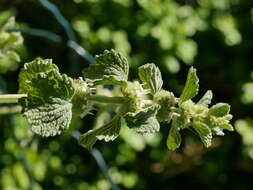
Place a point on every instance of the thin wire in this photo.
(59, 17)
(73, 70)
(100, 161)
(58, 39)
(81, 51)
(72, 43)
(42, 33)
(85, 55)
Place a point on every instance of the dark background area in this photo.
(215, 36)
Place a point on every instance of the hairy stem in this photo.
(107, 99)
(11, 98)
(10, 109)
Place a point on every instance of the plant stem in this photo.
(107, 99)
(11, 98)
(10, 109)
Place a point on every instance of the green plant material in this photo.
(245, 128)
(107, 132)
(219, 110)
(47, 107)
(174, 138)
(247, 92)
(81, 105)
(9, 41)
(191, 87)
(167, 101)
(50, 118)
(11, 98)
(143, 121)
(136, 95)
(151, 77)
(227, 25)
(52, 99)
(187, 50)
(206, 99)
(204, 132)
(111, 68)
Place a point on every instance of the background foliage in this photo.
(214, 35)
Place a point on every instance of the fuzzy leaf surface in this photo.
(143, 121)
(47, 106)
(191, 87)
(151, 77)
(219, 110)
(9, 41)
(174, 138)
(204, 132)
(107, 132)
(111, 68)
(51, 118)
(206, 99)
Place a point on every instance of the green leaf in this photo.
(174, 138)
(219, 110)
(191, 87)
(166, 100)
(217, 131)
(143, 121)
(107, 132)
(47, 106)
(9, 24)
(40, 80)
(9, 41)
(227, 126)
(81, 105)
(13, 56)
(204, 132)
(14, 39)
(51, 118)
(151, 77)
(206, 99)
(111, 68)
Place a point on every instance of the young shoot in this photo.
(54, 98)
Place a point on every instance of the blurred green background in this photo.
(215, 36)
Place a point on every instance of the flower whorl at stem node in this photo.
(81, 105)
(166, 100)
(140, 105)
(137, 95)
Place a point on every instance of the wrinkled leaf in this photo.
(217, 131)
(174, 138)
(51, 118)
(191, 87)
(47, 106)
(9, 24)
(110, 68)
(227, 126)
(143, 121)
(206, 99)
(151, 77)
(166, 100)
(40, 79)
(9, 41)
(107, 132)
(219, 110)
(204, 132)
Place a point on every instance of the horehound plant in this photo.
(50, 100)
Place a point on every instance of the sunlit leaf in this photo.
(191, 87)
(110, 68)
(151, 77)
